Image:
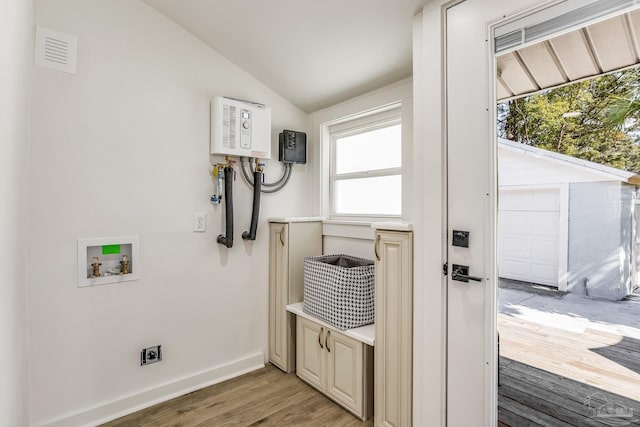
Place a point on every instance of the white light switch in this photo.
(199, 222)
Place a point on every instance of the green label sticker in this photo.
(110, 249)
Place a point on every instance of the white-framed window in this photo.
(365, 176)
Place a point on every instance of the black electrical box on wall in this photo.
(293, 147)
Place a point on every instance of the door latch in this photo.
(460, 273)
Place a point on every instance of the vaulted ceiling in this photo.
(318, 53)
(314, 53)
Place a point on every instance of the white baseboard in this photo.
(129, 404)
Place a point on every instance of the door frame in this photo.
(430, 171)
(635, 241)
(563, 231)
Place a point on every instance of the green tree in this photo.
(581, 120)
(624, 112)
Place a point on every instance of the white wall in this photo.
(16, 23)
(121, 148)
(402, 92)
(347, 236)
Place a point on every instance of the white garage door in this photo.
(528, 235)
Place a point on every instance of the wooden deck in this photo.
(553, 377)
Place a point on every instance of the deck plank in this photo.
(600, 359)
(526, 416)
(564, 409)
(578, 392)
(548, 374)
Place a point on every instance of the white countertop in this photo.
(297, 219)
(365, 334)
(347, 222)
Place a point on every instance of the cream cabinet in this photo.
(290, 241)
(337, 365)
(310, 357)
(394, 328)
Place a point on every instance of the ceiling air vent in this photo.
(56, 50)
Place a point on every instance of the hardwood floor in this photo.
(267, 397)
(549, 376)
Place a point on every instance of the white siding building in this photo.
(566, 222)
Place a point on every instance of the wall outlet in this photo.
(199, 222)
(151, 355)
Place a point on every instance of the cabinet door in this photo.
(310, 354)
(280, 330)
(394, 329)
(345, 371)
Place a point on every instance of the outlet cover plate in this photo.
(199, 222)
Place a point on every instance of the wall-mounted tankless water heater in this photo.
(240, 128)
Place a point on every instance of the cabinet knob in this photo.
(375, 247)
(282, 236)
(320, 337)
(326, 340)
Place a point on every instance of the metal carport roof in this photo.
(599, 48)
